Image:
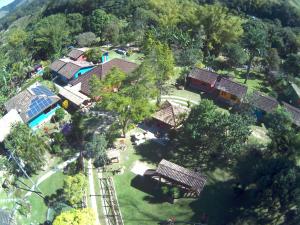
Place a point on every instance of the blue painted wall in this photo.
(82, 71)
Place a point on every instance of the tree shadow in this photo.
(152, 152)
(150, 187)
(218, 203)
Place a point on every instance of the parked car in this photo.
(121, 51)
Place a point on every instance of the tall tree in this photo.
(159, 64)
(220, 26)
(74, 189)
(236, 54)
(50, 36)
(211, 134)
(130, 105)
(255, 41)
(27, 146)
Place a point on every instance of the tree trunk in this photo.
(124, 128)
(158, 99)
(248, 68)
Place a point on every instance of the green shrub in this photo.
(59, 114)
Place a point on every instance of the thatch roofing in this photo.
(263, 102)
(204, 75)
(170, 114)
(295, 113)
(181, 175)
(231, 87)
(101, 71)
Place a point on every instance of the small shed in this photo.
(192, 182)
(170, 115)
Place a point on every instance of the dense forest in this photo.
(255, 37)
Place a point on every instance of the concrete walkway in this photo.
(92, 191)
(51, 172)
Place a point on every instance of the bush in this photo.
(175, 192)
(55, 149)
(59, 114)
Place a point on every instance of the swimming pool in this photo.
(42, 118)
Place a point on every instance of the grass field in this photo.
(140, 205)
(39, 209)
(134, 57)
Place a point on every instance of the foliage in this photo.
(112, 81)
(74, 189)
(255, 41)
(292, 64)
(96, 149)
(285, 140)
(86, 39)
(236, 54)
(273, 60)
(130, 105)
(76, 217)
(27, 146)
(94, 55)
(60, 114)
(50, 36)
(65, 104)
(213, 135)
(219, 25)
(158, 64)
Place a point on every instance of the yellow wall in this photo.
(228, 96)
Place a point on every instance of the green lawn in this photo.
(256, 81)
(134, 57)
(39, 209)
(140, 206)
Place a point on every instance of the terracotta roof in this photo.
(204, 75)
(69, 70)
(263, 102)
(231, 87)
(32, 101)
(75, 53)
(101, 71)
(295, 113)
(170, 113)
(57, 65)
(186, 177)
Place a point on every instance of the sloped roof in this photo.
(32, 101)
(263, 102)
(75, 97)
(186, 177)
(69, 70)
(295, 113)
(101, 71)
(231, 87)
(75, 53)
(57, 65)
(170, 113)
(7, 121)
(204, 75)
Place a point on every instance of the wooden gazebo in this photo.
(173, 174)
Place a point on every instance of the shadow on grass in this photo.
(217, 201)
(152, 152)
(148, 186)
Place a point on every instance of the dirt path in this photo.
(92, 191)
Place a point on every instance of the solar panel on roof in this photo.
(38, 104)
(40, 90)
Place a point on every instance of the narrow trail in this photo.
(50, 173)
(92, 191)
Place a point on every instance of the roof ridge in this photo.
(194, 176)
